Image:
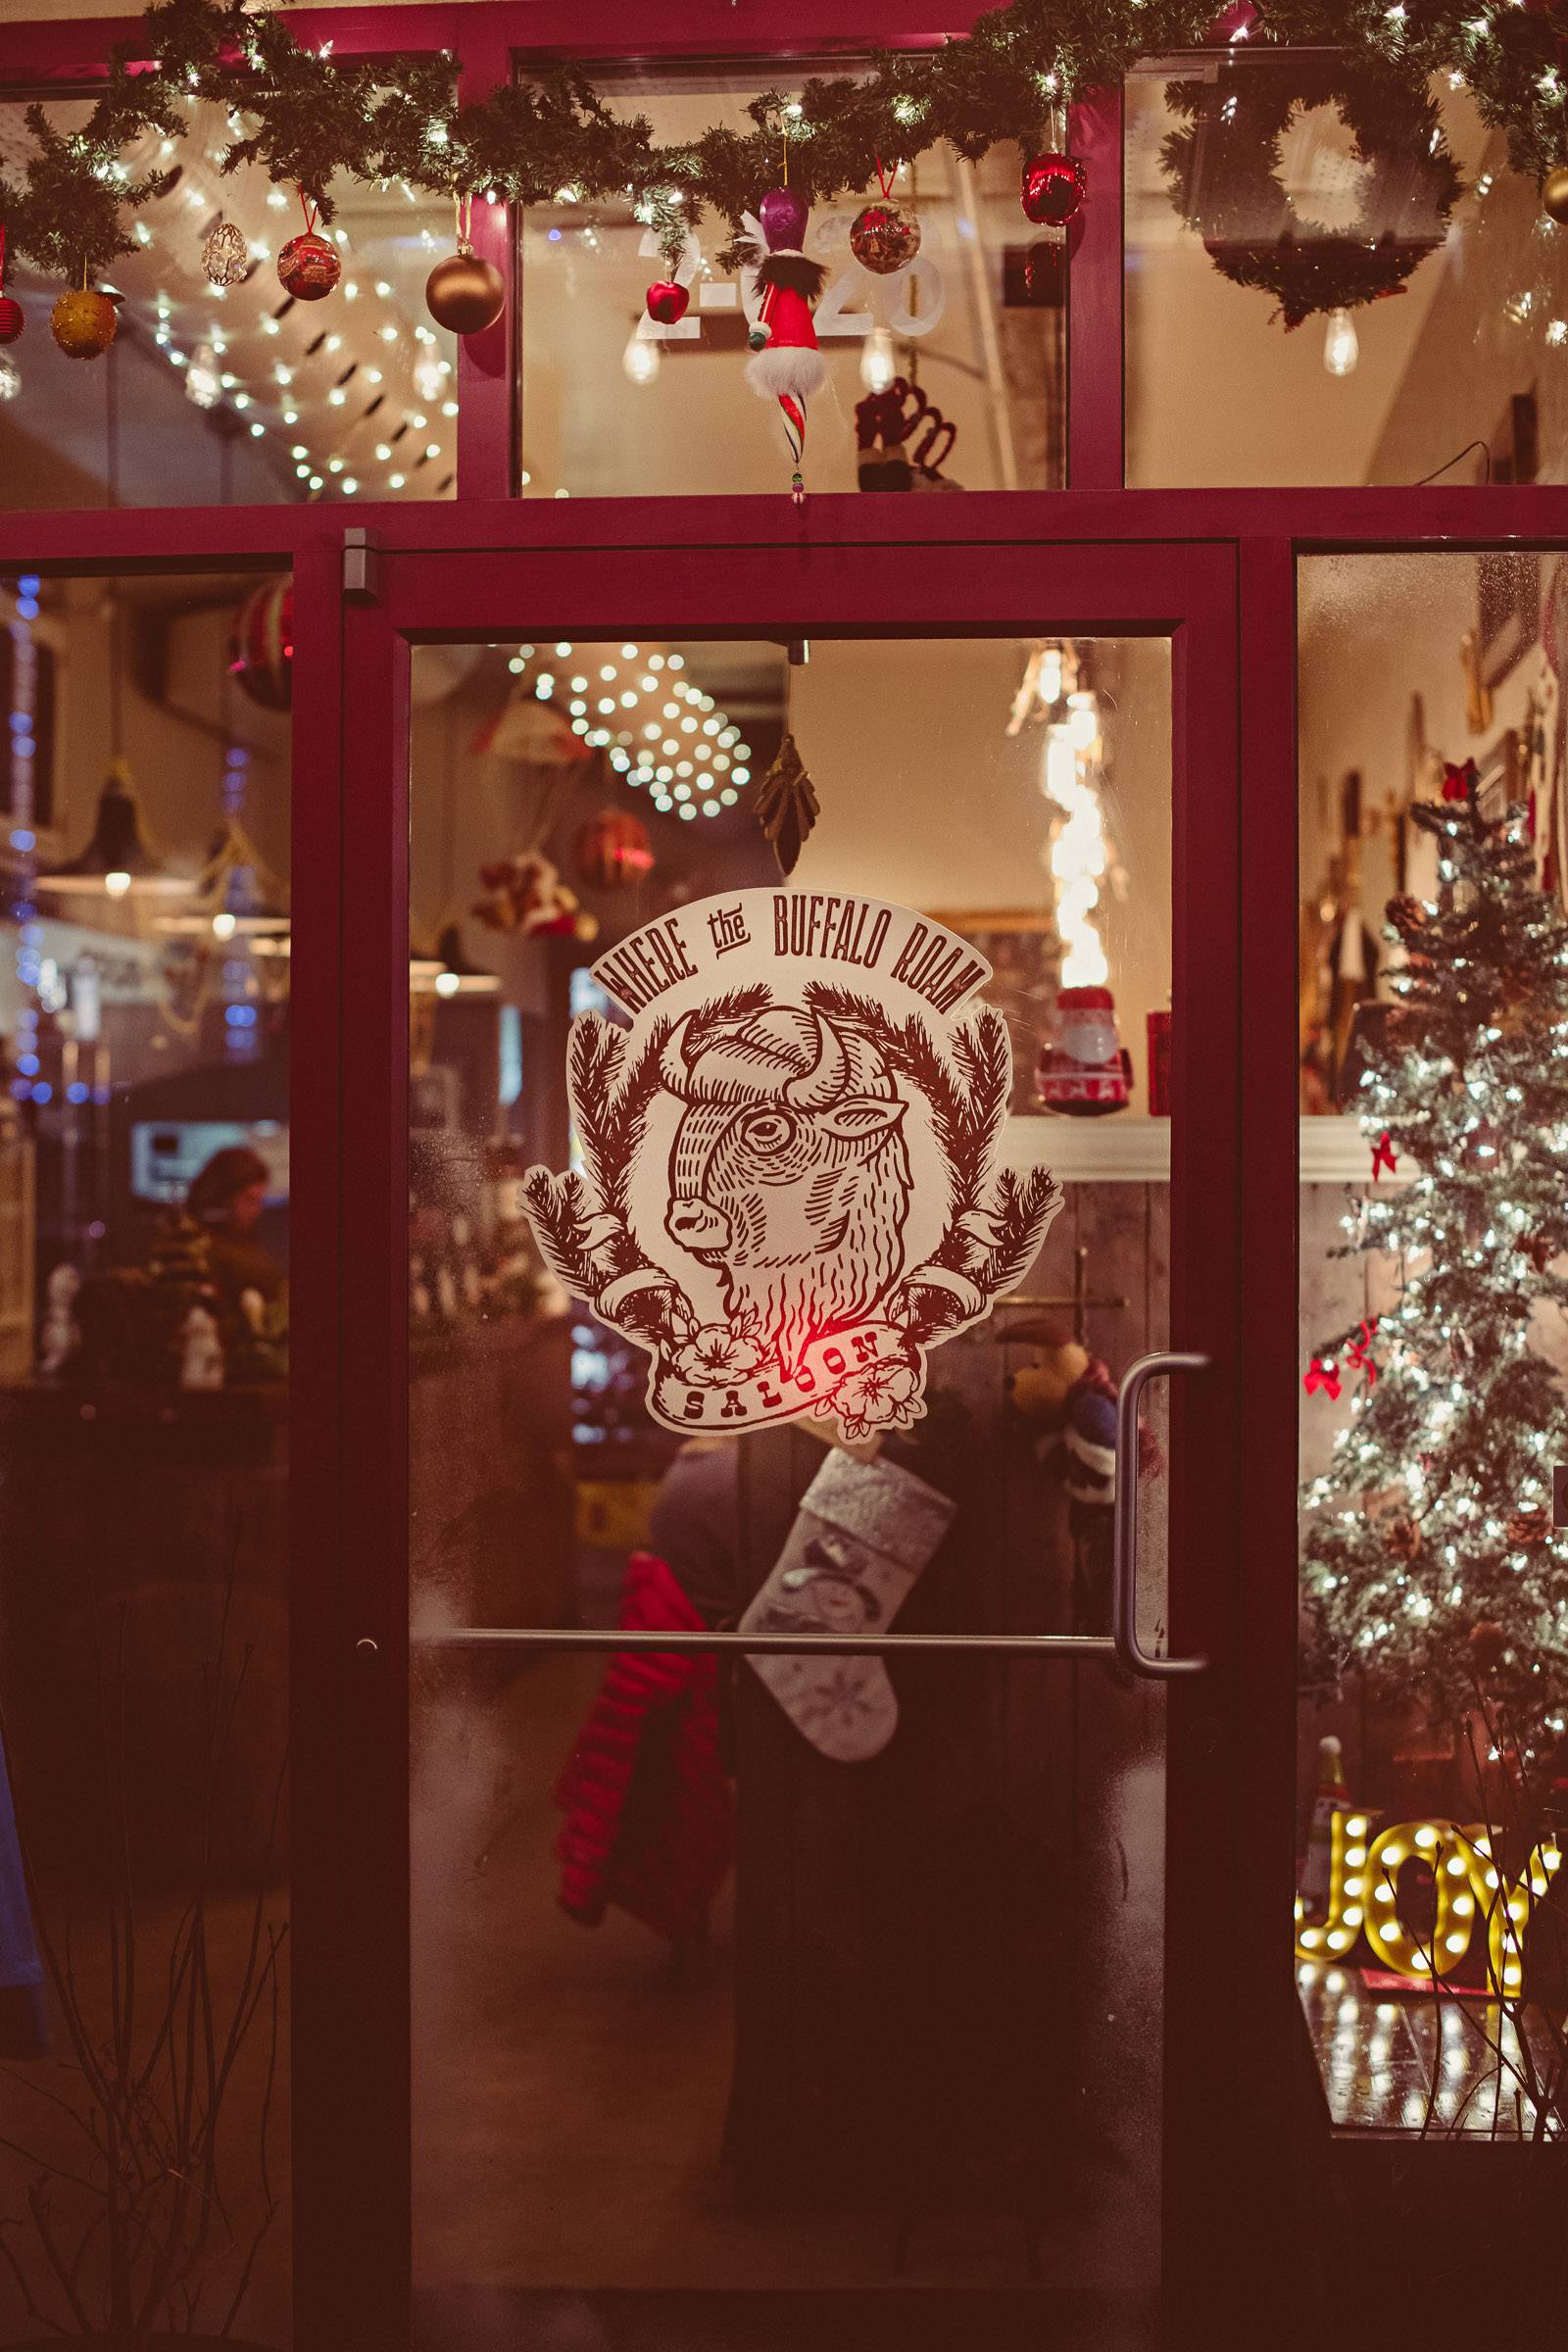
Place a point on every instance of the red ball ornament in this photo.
(884, 238)
(309, 267)
(666, 302)
(613, 851)
(1053, 191)
(261, 644)
(11, 320)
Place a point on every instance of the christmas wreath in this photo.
(1223, 172)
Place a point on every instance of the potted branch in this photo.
(135, 2232)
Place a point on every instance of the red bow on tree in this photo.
(1383, 1156)
(1322, 1376)
(1459, 779)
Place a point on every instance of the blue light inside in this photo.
(29, 1065)
(26, 608)
(554, 235)
(29, 584)
(24, 840)
(240, 1016)
(42, 1090)
(76, 1092)
(20, 1089)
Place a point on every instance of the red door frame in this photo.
(350, 2229)
(1186, 593)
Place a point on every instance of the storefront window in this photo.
(781, 1973)
(1389, 304)
(1434, 1693)
(616, 405)
(144, 1685)
(235, 394)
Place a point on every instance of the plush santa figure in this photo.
(787, 366)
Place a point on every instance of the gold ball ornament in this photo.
(83, 322)
(465, 294)
(1555, 194)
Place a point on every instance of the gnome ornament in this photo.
(787, 366)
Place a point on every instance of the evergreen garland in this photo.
(306, 117)
(1430, 1562)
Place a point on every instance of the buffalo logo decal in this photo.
(789, 1188)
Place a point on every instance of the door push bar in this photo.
(1124, 1521)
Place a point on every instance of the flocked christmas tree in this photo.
(1431, 1565)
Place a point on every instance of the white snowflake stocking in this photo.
(863, 1533)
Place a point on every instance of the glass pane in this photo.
(795, 1973)
(211, 395)
(1434, 1693)
(144, 1217)
(1447, 338)
(614, 403)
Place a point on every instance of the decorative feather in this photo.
(785, 806)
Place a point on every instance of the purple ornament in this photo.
(783, 214)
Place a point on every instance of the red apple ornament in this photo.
(666, 302)
(1053, 191)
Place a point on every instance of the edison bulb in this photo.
(879, 362)
(640, 359)
(1342, 347)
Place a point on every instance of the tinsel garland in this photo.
(1223, 174)
(306, 117)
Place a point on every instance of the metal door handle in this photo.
(1124, 1520)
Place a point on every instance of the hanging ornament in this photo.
(883, 237)
(666, 302)
(787, 366)
(10, 378)
(225, 256)
(1555, 194)
(785, 806)
(12, 317)
(1052, 192)
(261, 644)
(83, 322)
(613, 851)
(308, 265)
(463, 293)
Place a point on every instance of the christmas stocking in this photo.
(862, 1534)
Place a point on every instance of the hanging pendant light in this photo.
(118, 862)
(237, 896)
(458, 977)
(423, 968)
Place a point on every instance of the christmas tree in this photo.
(1431, 1565)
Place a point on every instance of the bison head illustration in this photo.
(789, 1172)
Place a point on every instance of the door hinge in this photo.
(362, 565)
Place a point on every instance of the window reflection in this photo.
(144, 1321)
(615, 403)
(237, 393)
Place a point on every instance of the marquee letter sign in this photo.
(788, 1189)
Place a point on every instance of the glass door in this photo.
(803, 1061)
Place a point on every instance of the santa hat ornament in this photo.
(787, 366)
